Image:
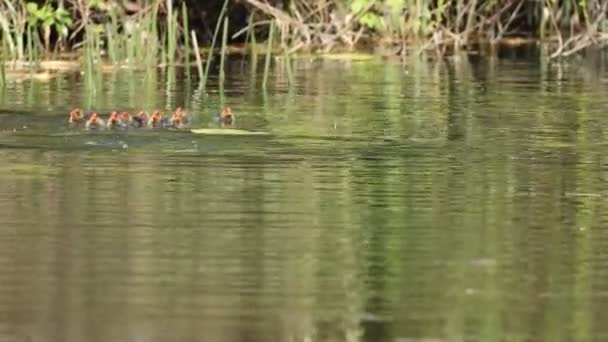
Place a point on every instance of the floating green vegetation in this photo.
(223, 131)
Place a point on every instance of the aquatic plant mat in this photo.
(226, 131)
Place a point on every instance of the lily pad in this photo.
(225, 131)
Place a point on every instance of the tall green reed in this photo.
(287, 63)
(153, 28)
(289, 67)
(170, 83)
(114, 39)
(217, 29)
(223, 56)
(171, 33)
(5, 53)
(93, 65)
(223, 53)
(250, 37)
(249, 40)
(199, 62)
(2, 66)
(268, 55)
(30, 45)
(186, 29)
(12, 23)
(150, 39)
(7, 38)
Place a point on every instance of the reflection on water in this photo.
(435, 202)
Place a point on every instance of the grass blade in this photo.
(217, 29)
(186, 39)
(199, 62)
(223, 55)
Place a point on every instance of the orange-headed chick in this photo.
(126, 119)
(178, 118)
(155, 119)
(140, 119)
(113, 120)
(75, 116)
(94, 122)
(182, 115)
(226, 116)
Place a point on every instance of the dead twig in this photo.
(508, 23)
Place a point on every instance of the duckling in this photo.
(155, 120)
(175, 121)
(75, 117)
(165, 122)
(126, 119)
(182, 115)
(113, 121)
(140, 119)
(178, 119)
(226, 118)
(94, 122)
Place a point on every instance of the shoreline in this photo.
(74, 60)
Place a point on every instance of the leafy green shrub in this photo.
(48, 17)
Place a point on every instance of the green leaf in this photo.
(32, 7)
(395, 6)
(61, 12)
(62, 16)
(63, 30)
(425, 13)
(98, 28)
(44, 10)
(49, 21)
(99, 4)
(43, 13)
(357, 5)
(370, 20)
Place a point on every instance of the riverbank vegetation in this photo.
(151, 33)
(566, 26)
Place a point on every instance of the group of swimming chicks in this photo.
(124, 120)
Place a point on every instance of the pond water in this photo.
(453, 201)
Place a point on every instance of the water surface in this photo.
(453, 201)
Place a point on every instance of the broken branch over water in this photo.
(592, 35)
(311, 26)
